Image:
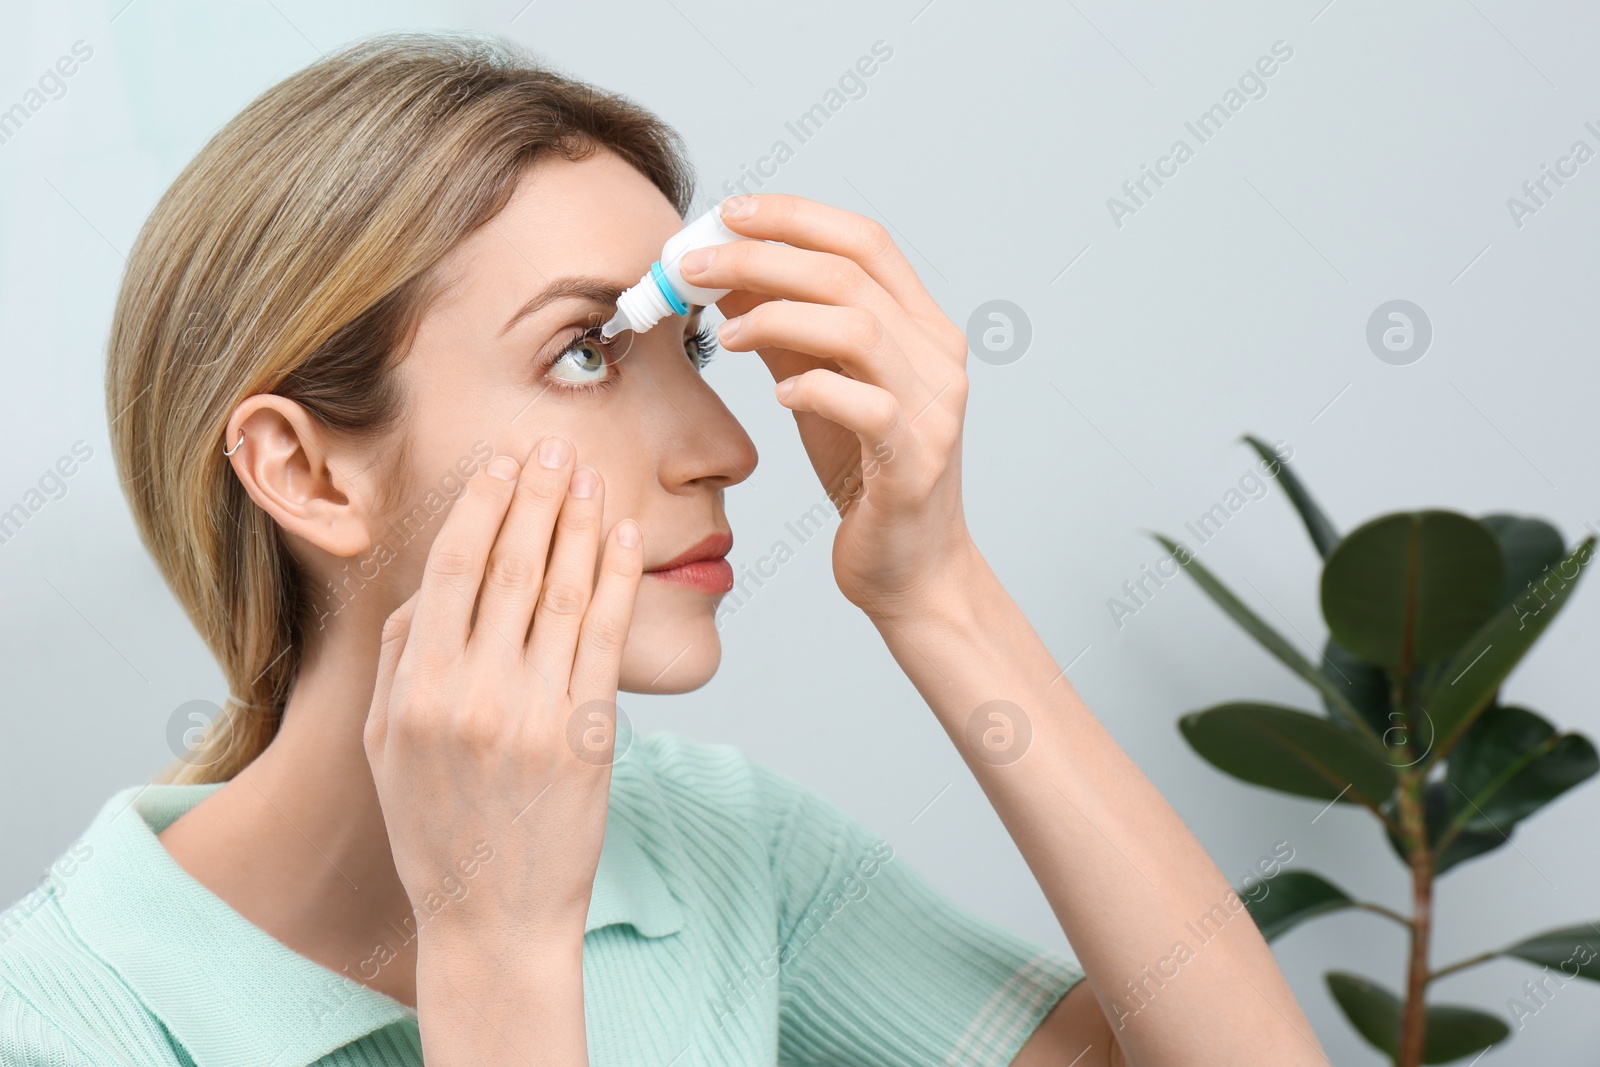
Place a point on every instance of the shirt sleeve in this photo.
(876, 967)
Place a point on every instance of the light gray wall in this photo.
(1377, 166)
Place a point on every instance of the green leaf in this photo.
(1269, 638)
(1467, 845)
(1474, 674)
(1530, 547)
(1454, 1032)
(1292, 898)
(1413, 587)
(1371, 1009)
(1365, 687)
(1450, 1032)
(1290, 751)
(1572, 950)
(1510, 763)
(1323, 535)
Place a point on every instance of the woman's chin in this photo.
(670, 653)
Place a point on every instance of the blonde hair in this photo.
(294, 255)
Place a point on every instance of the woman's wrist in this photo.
(946, 598)
(476, 952)
(510, 998)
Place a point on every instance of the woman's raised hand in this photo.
(484, 735)
(876, 377)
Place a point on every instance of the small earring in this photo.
(235, 448)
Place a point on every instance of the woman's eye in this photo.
(703, 346)
(584, 366)
(583, 362)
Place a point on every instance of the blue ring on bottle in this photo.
(660, 276)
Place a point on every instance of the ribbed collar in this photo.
(233, 995)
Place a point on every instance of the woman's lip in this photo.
(706, 575)
(711, 547)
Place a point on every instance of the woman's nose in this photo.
(706, 443)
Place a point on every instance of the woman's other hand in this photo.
(877, 381)
(485, 736)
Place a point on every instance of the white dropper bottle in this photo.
(662, 290)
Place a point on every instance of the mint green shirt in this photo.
(737, 919)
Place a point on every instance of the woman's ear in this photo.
(296, 473)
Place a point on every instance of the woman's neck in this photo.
(296, 842)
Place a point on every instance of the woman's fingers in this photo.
(520, 554)
(799, 274)
(396, 631)
(866, 410)
(852, 337)
(569, 581)
(456, 559)
(605, 625)
(524, 550)
(806, 223)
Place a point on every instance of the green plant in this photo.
(1427, 614)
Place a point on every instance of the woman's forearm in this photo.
(499, 1002)
(1127, 880)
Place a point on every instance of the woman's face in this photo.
(491, 364)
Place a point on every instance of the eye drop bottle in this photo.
(662, 291)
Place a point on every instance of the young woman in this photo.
(430, 524)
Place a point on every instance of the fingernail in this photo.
(553, 453)
(729, 329)
(583, 482)
(738, 207)
(627, 533)
(696, 260)
(503, 467)
(784, 388)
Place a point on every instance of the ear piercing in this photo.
(235, 448)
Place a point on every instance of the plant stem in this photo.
(1379, 909)
(1419, 854)
(1413, 1021)
(1461, 965)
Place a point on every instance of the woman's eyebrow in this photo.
(600, 290)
